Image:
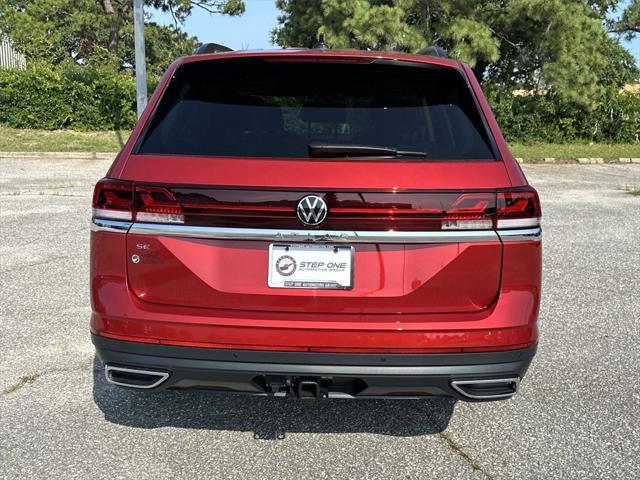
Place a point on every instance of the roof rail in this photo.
(212, 48)
(434, 51)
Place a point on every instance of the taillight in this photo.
(157, 205)
(470, 211)
(113, 199)
(402, 211)
(518, 208)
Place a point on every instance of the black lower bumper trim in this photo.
(337, 374)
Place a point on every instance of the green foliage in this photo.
(80, 55)
(71, 96)
(41, 31)
(550, 118)
(57, 30)
(561, 46)
(33, 98)
(629, 22)
(163, 46)
(181, 9)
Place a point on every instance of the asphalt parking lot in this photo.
(576, 416)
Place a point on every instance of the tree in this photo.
(629, 22)
(119, 12)
(55, 30)
(560, 46)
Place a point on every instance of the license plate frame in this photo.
(324, 277)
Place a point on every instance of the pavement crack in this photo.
(32, 377)
(457, 448)
(25, 380)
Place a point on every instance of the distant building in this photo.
(9, 56)
(522, 92)
(632, 88)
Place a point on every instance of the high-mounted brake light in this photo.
(113, 199)
(316, 59)
(518, 208)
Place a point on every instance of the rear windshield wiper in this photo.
(328, 150)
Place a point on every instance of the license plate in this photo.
(318, 267)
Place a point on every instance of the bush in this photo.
(34, 98)
(546, 118)
(81, 97)
(97, 96)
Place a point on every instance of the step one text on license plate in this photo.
(325, 267)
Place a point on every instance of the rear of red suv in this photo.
(319, 224)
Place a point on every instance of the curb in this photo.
(580, 160)
(111, 155)
(58, 155)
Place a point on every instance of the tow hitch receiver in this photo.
(309, 389)
(301, 387)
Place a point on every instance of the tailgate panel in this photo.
(388, 278)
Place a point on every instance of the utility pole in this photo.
(141, 66)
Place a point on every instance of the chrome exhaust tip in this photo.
(134, 377)
(487, 389)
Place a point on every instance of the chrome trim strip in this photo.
(521, 234)
(102, 225)
(328, 236)
(162, 376)
(455, 384)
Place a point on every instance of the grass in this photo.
(24, 140)
(19, 140)
(571, 151)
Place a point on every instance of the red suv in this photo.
(320, 224)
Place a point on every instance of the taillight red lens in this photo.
(470, 211)
(513, 208)
(113, 199)
(518, 208)
(157, 205)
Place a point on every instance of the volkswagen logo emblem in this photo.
(312, 210)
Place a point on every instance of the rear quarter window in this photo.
(253, 107)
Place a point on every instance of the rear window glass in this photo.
(260, 108)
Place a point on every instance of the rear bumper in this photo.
(331, 374)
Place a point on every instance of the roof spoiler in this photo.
(212, 48)
(321, 44)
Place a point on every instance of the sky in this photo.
(252, 30)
